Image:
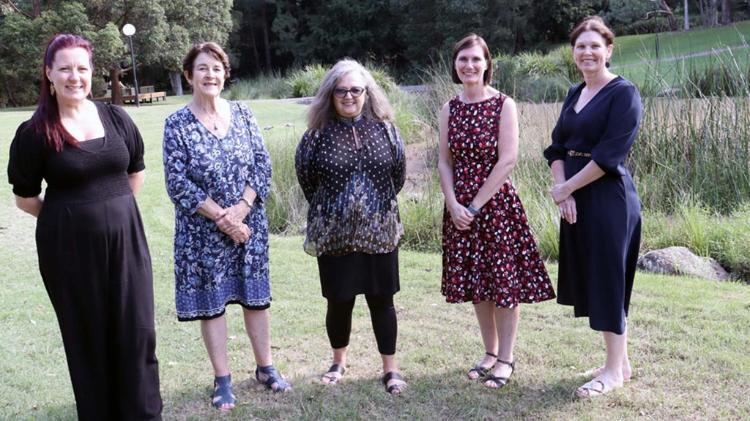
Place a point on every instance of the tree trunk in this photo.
(175, 79)
(266, 44)
(663, 6)
(686, 26)
(709, 12)
(114, 78)
(726, 12)
(254, 44)
(9, 93)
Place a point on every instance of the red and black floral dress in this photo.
(497, 259)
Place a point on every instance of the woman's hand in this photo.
(238, 212)
(460, 216)
(568, 210)
(560, 192)
(231, 223)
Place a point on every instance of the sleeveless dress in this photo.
(497, 259)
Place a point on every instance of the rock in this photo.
(681, 261)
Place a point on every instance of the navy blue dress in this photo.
(210, 270)
(598, 253)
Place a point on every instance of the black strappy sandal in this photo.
(481, 371)
(272, 377)
(500, 381)
(397, 387)
(330, 374)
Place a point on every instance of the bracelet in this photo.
(243, 200)
(472, 210)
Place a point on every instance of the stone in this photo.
(681, 261)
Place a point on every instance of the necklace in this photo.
(211, 117)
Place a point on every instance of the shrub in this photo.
(262, 86)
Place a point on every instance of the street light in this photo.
(129, 30)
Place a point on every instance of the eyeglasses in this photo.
(355, 91)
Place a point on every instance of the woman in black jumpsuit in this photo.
(93, 255)
(601, 213)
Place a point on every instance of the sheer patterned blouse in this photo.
(350, 173)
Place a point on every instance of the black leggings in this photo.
(382, 314)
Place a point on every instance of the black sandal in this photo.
(273, 377)
(500, 381)
(332, 379)
(481, 371)
(396, 387)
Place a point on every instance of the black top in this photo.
(606, 134)
(350, 173)
(96, 169)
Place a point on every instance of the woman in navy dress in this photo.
(218, 175)
(599, 206)
(93, 255)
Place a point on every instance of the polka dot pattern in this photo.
(350, 173)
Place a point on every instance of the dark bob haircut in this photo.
(212, 49)
(592, 23)
(467, 42)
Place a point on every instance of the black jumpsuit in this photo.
(95, 264)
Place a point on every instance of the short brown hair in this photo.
(593, 23)
(212, 49)
(467, 42)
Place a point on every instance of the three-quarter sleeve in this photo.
(622, 126)
(304, 158)
(132, 137)
(399, 166)
(25, 161)
(556, 151)
(184, 193)
(260, 173)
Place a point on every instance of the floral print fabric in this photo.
(497, 259)
(210, 270)
(350, 173)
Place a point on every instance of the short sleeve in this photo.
(303, 163)
(26, 161)
(132, 137)
(622, 127)
(556, 151)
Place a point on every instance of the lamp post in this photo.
(129, 30)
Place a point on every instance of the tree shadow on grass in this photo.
(443, 395)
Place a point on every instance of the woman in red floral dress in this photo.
(490, 257)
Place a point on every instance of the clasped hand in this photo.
(565, 202)
(230, 222)
(460, 216)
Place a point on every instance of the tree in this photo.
(686, 16)
(23, 35)
(709, 12)
(189, 22)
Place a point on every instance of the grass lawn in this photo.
(689, 338)
(635, 48)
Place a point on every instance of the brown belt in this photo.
(579, 154)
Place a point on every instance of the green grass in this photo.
(632, 49)
(689, 338)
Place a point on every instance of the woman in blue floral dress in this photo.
(218, 175)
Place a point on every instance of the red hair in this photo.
(46, 118)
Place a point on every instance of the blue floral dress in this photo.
(210, 270)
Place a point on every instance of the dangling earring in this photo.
(606, 64)
(51, 89)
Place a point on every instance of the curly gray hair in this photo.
(322, 110)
